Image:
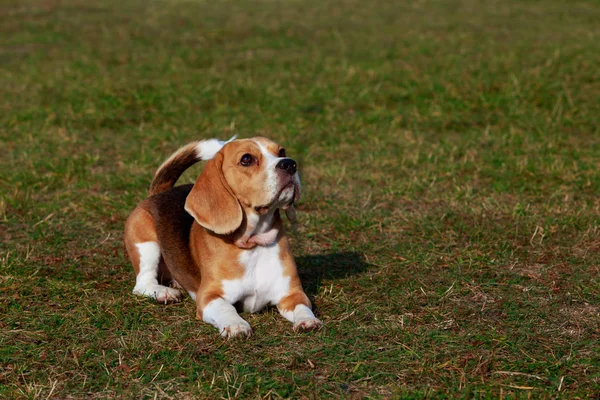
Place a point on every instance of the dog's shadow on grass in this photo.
(314, 268)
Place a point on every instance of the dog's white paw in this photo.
(240, 328)
(307, 324)
(168, 295)
(176, 284)
(162, 294)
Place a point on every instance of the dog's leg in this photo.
(146, 281)
(223, 316)
(295, 307)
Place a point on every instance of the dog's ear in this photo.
(290, 213)
(290, 210)
(212, 202)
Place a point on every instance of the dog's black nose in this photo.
(288, 165)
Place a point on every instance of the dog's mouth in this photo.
(281, 199)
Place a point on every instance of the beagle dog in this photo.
(222, 239)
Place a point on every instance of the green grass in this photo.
(449, 231)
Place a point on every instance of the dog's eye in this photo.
(247, 160)
(282, 153)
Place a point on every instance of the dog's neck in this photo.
(259, 230)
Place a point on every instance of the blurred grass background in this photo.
(448, 234)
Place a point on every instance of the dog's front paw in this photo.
(168, 296)
(162, 294)
(307, 324)
(241, 328)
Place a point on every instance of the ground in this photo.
(449, 230)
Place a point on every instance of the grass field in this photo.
(449, 233)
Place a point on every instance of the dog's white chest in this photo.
(263, 282)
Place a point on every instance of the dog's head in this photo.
(245, 176)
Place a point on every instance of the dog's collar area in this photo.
(258, 230)
(262, 239)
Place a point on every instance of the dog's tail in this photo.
(167, 174)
